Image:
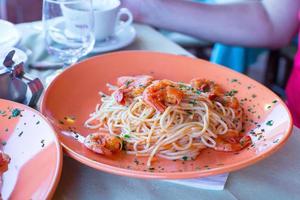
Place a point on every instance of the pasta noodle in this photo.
(181, 131)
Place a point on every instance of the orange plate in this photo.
(36, 155)
(74, 93)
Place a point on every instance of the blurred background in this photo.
(271, 67)
(19, 11)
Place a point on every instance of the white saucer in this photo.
(9, 34)
(121, 39)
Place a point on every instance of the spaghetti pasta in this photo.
(171, 120)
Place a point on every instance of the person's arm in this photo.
(266, 23)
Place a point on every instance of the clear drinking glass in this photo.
(68, 29)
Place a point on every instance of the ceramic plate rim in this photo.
(172, 175)
(58, 168)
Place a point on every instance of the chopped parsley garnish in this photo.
(193, 102)
(20, 134)
(270, 123)
(268, 107)
(15, 112)
(127, 136)
(275, 101)
(184, 87)
(185, 158)
(3, 143)
(234, 80)
(275, 141)
(142, 86)
(231, 93)
(128, 82)
(198, 92)
(43, 143)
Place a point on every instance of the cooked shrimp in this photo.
(4, 161)
(228, 101)
(216, 92)
(232, 102)
(207, 86)
(161, 93)
(102, 143)
(131, 86)
(232, 141)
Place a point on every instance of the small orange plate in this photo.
(36, 155)
(74, 94)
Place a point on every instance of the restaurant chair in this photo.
(279, 67)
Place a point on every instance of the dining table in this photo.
(276, 177)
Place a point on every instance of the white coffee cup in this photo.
(107, 18)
